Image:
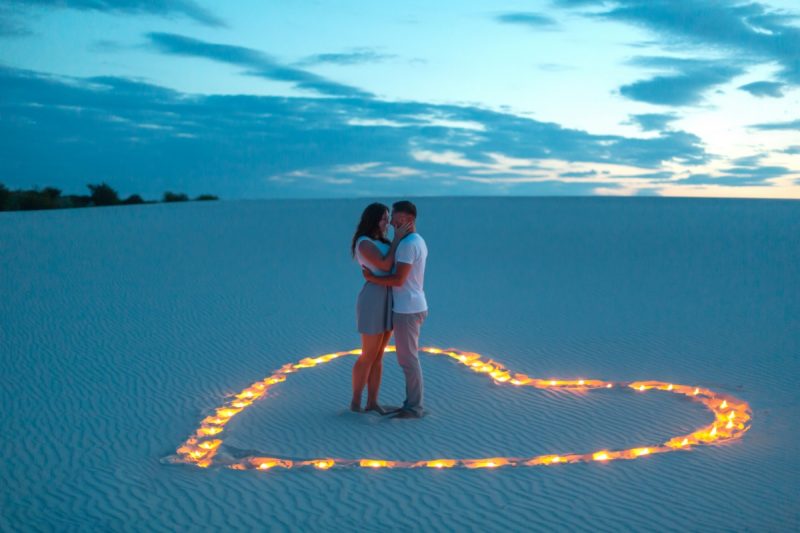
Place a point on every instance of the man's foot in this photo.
(383, 410)
(406, 414)
(356, 408)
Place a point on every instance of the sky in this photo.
(309, 99)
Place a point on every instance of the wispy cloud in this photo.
(257, 146)
(685, 84)
(554, 67)
(739, 176)
(10, 23)
(106, 45)
(356, 57)
(534, 20)
(788, 125)
(653, 121)
(749, 30)
(186, 8)
(258, 63)
(762, 89)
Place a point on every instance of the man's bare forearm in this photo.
(392, 280)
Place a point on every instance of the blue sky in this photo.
(250, 99)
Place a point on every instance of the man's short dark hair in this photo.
(404, 206)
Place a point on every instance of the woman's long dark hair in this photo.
(370, 225)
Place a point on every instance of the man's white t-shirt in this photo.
(409, 297)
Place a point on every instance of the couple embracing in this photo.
(392, 300)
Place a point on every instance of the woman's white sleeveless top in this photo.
(382, 247)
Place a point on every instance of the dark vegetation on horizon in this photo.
(101, 195)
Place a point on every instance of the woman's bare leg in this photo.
(370, 347)
(375, 373)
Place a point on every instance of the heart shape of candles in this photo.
(731, 420)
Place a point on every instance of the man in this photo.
(409, 308)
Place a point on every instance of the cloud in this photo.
(186, 8)
(143, 138)
(653, 121)
(750, 31)
(527, 19)
(583, 174)
(258, 63)
(357, 57)
(686, 86)
(739, 176)
(554, 67)
(764, 88)
(106, 46)
(743, 171)
(10, 25)
(789, 125)
(748, 161)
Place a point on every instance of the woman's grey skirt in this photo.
(374, 309)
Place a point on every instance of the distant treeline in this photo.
(102, 194)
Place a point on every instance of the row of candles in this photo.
(731, 420)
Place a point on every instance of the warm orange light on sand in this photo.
(732, 420)
(440, 463)
(375, 463)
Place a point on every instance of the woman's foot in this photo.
(383, 411)
(356, 407)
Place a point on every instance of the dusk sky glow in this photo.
(249, 99)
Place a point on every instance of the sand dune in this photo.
(123, 327)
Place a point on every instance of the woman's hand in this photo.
(402, 231)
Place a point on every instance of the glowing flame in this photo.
(267, 463)
(374, 463)
(227, 413)
(441, 463)
(494, 462)
(201, 451)
(210, 444)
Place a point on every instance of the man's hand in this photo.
(368, 275)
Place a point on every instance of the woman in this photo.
(372, 249)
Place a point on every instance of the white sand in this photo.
(123, 327)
